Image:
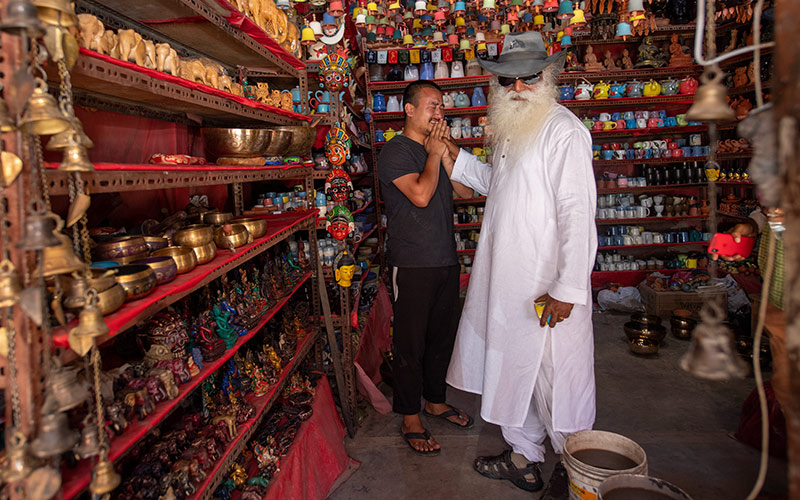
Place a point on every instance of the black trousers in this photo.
(426, 312)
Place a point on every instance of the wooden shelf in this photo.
(649, 161)
(733, 216)
(278, 228)
(470, 141)
(644, 189)
(624, 75)
(77, 478)
(635, 132)
(399, 115)
(468, 251)
(209, 31)
(468, 201)
(645, 220)
(114, 178)
(466, 227)
(629, 101)
(654, 245)
(444, 83)
(611, 274)
(749, 88)
(117, 83)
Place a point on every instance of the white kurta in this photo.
(538, 236)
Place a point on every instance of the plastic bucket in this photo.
(585, 479)
(633, 486)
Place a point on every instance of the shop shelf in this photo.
(649, 161)
(735, 156)
(120, 81)
(116, 177)
(645, 220)
(465, 227)
(323, 174)
(237, 40)
(629, 101)
(445, 83)
(468, 251)
(749, 88)
(77, 478)
(660, 33)
(653, 245)
(744, 58)
(469, 201)
(364, 238)
(470, 141)
(647, 189)
(399, 115)
(635, 132)
(624, 75)
(279, 227)
(732, 215)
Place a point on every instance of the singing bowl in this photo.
(682, 327)
(205, 253)
(236, 237)
(195, 235)
(302, 139)
(278, 141)
(217, 218)
(164, 267)
(255, 226)
(647, 319)
(119, 247)
(184, 257)
(155, 242)
(137, 279)
(236, 142)
(121, 261)
(111, 299)
(643, 345)
(634, 330)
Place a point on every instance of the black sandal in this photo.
(501, 467)
(453, 412)
(424, 436)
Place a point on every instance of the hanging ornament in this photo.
(712, 354)
(340, 223)
(338, 186)
(344, 267)
(334, 71)
(337, 145)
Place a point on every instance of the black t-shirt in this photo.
(418, 237)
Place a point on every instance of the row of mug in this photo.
(629, 200)
(667, 143)
(650, 264)
(680, 119)
(652, 238)
(642, 154)
(621, 182)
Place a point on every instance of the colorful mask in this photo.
(340, 223)
(344, 268)
(334, 72)
(337, 145)
(338, 185)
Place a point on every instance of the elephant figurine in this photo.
(91, 31)
(225, 83)
(254, 11)
(109, 44)
(192, 70)
(167, 59)
(212, 76)
(149, 54)
(229, 422)
(129, 42)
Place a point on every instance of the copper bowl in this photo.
(682, 327)
(237, 142)
(217, 218)
(647, 319)
(634, 330)
(302, 140)
(164, 267)
(137, 279)
(155, 242)
(255, 226)
(232, 236)
(644, 346)
(184, 257)
(192, 236)
(119, 246)
(205, 253)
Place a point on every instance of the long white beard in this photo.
(519, 116)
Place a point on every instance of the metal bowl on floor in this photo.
(682, 327)
(644, 346)
(647, 319)
(236, 142)
(634, 330)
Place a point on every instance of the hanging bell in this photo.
(61, 259)
(75, 157)
(90, 325)
(55, 436)
(6, 121)
(65, 390)
(710, 103)
(90, 441)
(56, 12)
(41, 115)
(39, 228)
(712, 354)
(104, 478)
(31, 301)
(10, 287)
(43, 483)
(20, 16)
(78, 289)
(64, 139)
(18, 465)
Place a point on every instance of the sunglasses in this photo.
(506, 81)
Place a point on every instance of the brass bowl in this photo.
(682, 333)
(184, 257)
(61, 259)
(647, 319)
(644, 346)
(155, 242)
(232, 236)
(127, 260)
(137, 279)
(195, 235)
(682, 327)
(119, 246)
(205, 253)
(278, 142)
(164, 267)
(302, 140)
(255, 226)
(236, 142)
(634, 330)
(217, 218)
(111, 299)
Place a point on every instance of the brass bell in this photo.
(712, 354)
(65, 391)
(90, 325)
(710, 104)
(43, 483)
(62, 140)
(56, 12)
(61, 259)
(55, 436)
(39, 228)
(10, 287)
(90, 441)
(104, 478)
(75, 157)
(41, 115)
(21, 16)
(78, 288)
(18, 465)
(6, 121)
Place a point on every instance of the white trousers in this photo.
(528, 440)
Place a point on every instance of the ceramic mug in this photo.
(670, 121)
(609, 125)
(455, 132)
(604, 117)
(619, 213)
(598, 126)
(630, 212)
(631, 123)
(621, 124)
(608, 154)
(642, 211)
(622, 181)
(627, 239)
(647, 238)
(681, 120)
(641, 114)
(628, 115)
(619, 154)
(658, 238)
(641, 123)
(655, 122)
(466, 132)
(634, 230)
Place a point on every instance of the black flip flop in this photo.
(408, 436)
(454, 412)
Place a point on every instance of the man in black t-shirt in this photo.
(425, 270)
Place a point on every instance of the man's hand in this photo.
(452, 147)
(434, 145)
(556, 310)
(749, 229)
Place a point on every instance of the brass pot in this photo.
(231, 236)
(184, 257)
(164, 267)
(278, 142)
(122, 261)
(302, 140)
(236, 142)
(255, 226)
(634, 330)
(111, 299)
(138, 280)
(119, 247)
(643, 346)
(647, 319)
(205, 253)
(217, 218)
(155, 242)
(195, 235)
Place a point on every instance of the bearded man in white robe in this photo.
(537, 244)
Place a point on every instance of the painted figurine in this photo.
(340, 223)
(344, 267)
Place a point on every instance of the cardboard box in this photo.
(663, 303)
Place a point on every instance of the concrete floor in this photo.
(682, 423)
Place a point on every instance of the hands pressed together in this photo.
(439, 142)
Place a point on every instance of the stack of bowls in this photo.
(164, 267)
(200, 239)
(121, 249)
(644, 333)
(682, 324)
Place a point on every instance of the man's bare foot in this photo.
(435, 409)
(413, 424)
